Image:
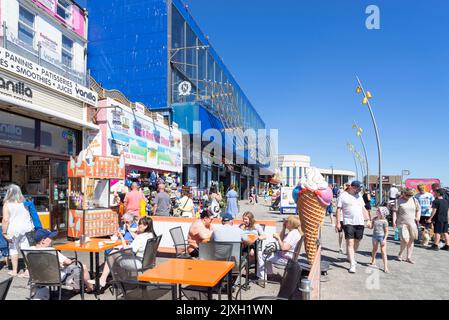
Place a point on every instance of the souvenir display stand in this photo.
(90, 212)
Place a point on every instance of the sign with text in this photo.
(413, 183)
(18, 65)
(144, 142)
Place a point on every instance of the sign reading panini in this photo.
(20, 66)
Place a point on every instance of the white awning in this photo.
(29, 107)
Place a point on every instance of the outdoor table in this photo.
(203, 273)
(93, 248)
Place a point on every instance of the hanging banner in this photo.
(145, 142)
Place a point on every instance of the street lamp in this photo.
(366, 100)
(351, 149)
(359, 134)
(404, 173)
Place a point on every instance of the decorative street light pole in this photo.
(351, 149)
(359, 134)
(366, 100)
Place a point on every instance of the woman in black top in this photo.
(367, 199)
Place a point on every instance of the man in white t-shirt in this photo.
(393, 193)
(227, 232)
(351, 208)
(70, 272)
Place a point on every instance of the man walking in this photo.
(425, 200)
(393, 193)
(352, 208)
(440, 217)
(133, 200)
(161, 202)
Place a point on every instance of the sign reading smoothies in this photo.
(144, 141)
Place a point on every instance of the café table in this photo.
(202, 273)
(94, 247)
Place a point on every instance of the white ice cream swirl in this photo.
(315, 181)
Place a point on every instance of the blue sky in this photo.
(297, 60)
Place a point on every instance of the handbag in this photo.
(215, 208)
(271, 248)
(179, 211)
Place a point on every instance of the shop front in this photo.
(151, 148)
(41, 123)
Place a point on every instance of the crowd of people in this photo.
(411, 215)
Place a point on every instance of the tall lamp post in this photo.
(351, 149)
(360, 135)
(404, 173)
(366, 100)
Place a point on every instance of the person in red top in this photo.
(133, 200)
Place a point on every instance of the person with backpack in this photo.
(214, 200)
(436, 187)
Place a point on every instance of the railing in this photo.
(36, 57)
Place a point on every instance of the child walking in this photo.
(380, 234)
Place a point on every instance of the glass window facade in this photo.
(195, 61)
(56, 139)
(17, 131)
(64, 9)
(26, 27)
(67, 51)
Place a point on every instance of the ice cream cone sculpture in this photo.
(314, 197)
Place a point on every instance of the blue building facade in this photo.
(155, 53)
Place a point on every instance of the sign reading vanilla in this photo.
(18, 65)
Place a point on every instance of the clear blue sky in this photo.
(297, 60)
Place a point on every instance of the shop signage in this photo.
(14, 63)
(184, 88)
(144, 142)
(16, 89)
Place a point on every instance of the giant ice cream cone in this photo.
(313, 200)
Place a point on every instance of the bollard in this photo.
(306, 289)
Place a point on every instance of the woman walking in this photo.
(16, 223)
(232, 196)
(406, 215)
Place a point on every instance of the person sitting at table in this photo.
(70, 272)
(227, 232)
(200, 231)
(128, 228)
(287, 240)
(250, 227)
(145, 231)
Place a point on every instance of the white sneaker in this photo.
(352, 268)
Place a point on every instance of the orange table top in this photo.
(91, 246)
(204, 273)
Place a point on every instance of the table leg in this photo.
(97, 272)
(91, 260)
(174, 292)
(209, 293)
(230, 285)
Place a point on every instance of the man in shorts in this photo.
(440, 217)
(351, 207)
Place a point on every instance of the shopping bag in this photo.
(143, 208)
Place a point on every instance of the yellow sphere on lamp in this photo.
(365, 100)
(358, 90)
(368, 95)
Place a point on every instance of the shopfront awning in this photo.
(29, 109)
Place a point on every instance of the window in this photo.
(26, 27)
(294, 175)
(64, 9)
(56, 139)
(67, 51)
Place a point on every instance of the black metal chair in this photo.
(211, 251)
(4, 288)
(290, 284)
(124, 271)
(180, 243)
(150, 253)
(44, 270)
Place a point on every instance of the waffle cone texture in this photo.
(311, 215)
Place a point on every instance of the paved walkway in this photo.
(427, 279)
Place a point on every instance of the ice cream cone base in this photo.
(311, 215)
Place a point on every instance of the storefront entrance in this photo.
(43, 180)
